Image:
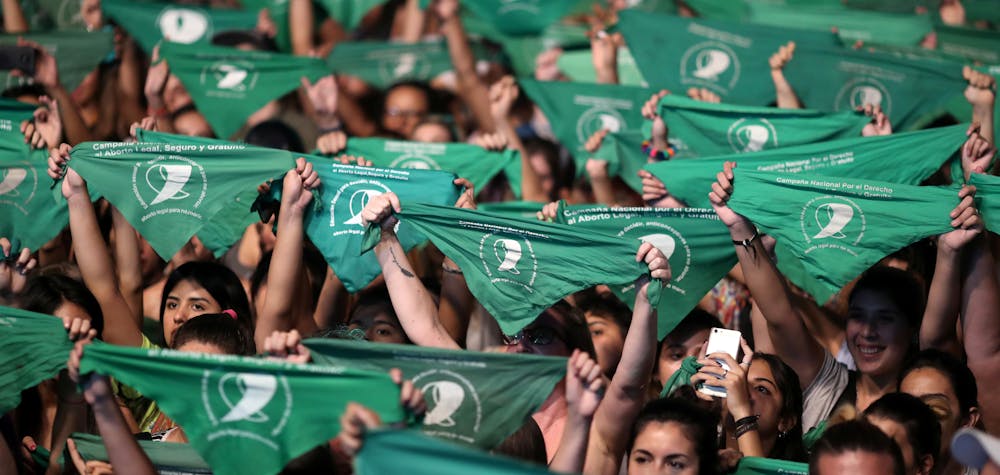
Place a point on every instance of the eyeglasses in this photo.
(394, 112)
(539, 336)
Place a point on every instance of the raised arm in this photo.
(123, 450)
(47, 75)
(938, 329)
(502, 95)
(284, 307)
(981, 93)
(456, 302)
(627, 392)
(604, 55)
(13, 18)
(584, 392)
(597, 170)
(791, 339)
(413, 304)
(128, 263)
(470, 87)
(300, 26)
(784, 93)
(92, 256)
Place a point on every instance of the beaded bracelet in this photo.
(658, 155)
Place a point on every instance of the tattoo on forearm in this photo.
(401, 268)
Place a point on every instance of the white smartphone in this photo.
(726, 341)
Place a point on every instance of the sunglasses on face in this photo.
(539, 336)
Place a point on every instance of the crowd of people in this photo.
(890, 374)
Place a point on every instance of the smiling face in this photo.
(878, 335)
(663, 448)
(185, 301)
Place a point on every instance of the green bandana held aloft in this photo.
(246, 415)
(170, 192)
(471, 396)
(77, 54)
(517, 268)
(851, 25)
(906, 158)
(149, 23)
(523, 50)
(701, 129)
(53, 15)
(383, 63)
(219, 234)
(970, 43)
(765, 466)
(35, 348)
(730, 59)
(15, 112)
(412, 453)
(173, 458)
(228, 85)
(830, 229)
(29, 212)
(349, 13)
(576, 111)
(911, 91)
(474, 163)
(337, 231)
(695, 242)
(681, 377)
(988, 199)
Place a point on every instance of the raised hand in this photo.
(380, 210)
(323, 96)
(879, 124)
(359, 161)
(72, 183)
(977, 153)
(784, 54)
(659, 266)
(594, 142)
(548, 212)
(445, 10)
(965, 219)
(46, 71)
(287, 346)
(703, 95)
(584, 384)
(952, 12)
(467, 199)
(493, 142)
(503, 93)
(156, 82)
(734, 379)
(45, 128)
(14, 267)
(722, 190)
(332, 143)
(297, 184)
(410, 398)
(546, 67)
(981, 90)
(651, 111)
(146, 123)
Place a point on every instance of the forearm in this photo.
(94, 261)
(938, 328)
(412, 22)
(785, 95)
(128, 263)
(463, 60)
(983, 114)
(71, 416)
(13, 18)
(332, 301)
(604, 192)
(300, 26)
(531, 184)
(284, 276)
(130, 82)
(355, 121)
(413, 304)
(123, 450)
(788, 333)
(572, 451)
(75, 129)
(456, 302)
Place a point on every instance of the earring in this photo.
(782, 434)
